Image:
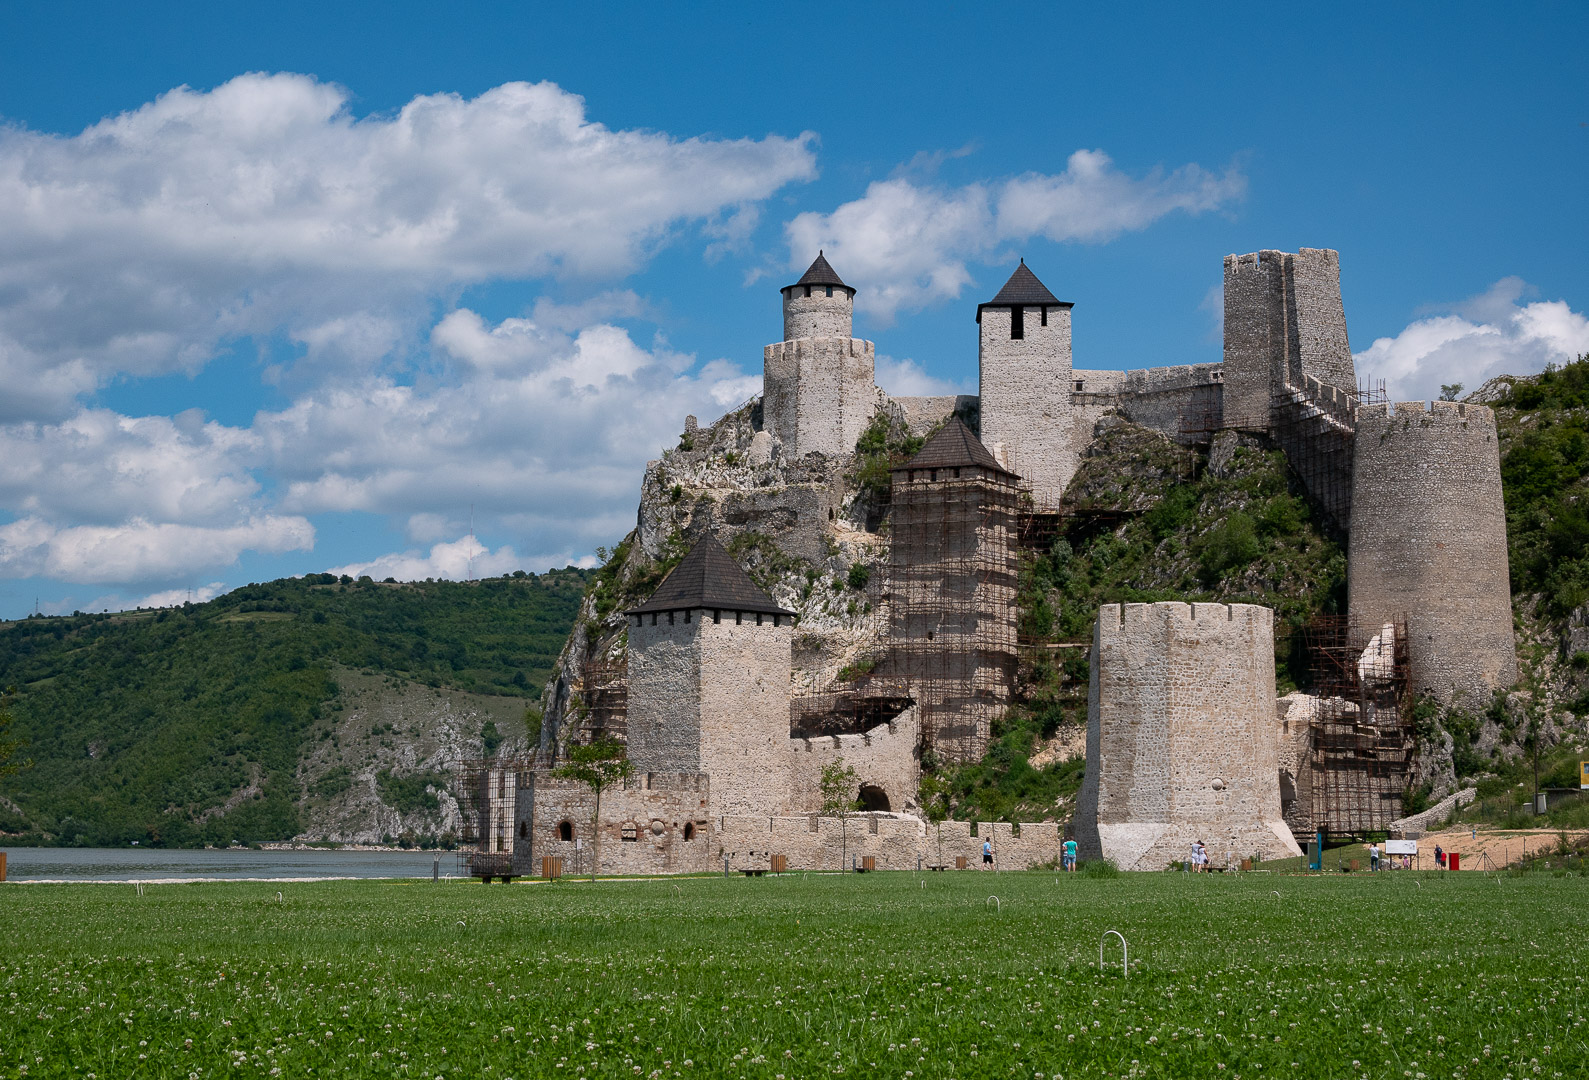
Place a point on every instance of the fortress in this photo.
(730, 703)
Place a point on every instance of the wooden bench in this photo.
(752, 873)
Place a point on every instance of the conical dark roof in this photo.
(952, 447)
(709, 578)
(1023, 290)
(820, 273)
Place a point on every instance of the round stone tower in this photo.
(817, 383)
(819, 305)
(1428, 541)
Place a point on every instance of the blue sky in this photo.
(285, 289)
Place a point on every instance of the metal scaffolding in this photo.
(953, 574)
(487, 790)
(603, 689)
(1360, 740)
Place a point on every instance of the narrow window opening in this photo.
(689, 831)
(631, 832)
(717, 616)
(830, 290)
(653, 618)
(1044, 310)
(808, 290)
(670, 618)
(1017, 323)
(565, 831)
(758, 618)
(524, 830)
(686, 616)
(739, 618)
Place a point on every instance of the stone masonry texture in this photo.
(1026, 399)
(1181, 739)
(713, 697)
(1428, 540)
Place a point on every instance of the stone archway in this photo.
(873, 797)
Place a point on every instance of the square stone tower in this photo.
(709, 668)
(818, 392)
(1284, 322)
(1182, 743)
(1025, 374)
(952, 581)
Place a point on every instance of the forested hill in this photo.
(187, 725)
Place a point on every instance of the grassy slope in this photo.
(144, 725)
(1341, 975)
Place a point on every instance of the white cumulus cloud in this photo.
(1492, 334)
(139, 550)
(265, 205)
(906, 244)
(463, 559)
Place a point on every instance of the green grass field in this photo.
(887, 975)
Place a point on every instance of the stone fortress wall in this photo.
(1182, 743)
(884, 759)
(1428, 539)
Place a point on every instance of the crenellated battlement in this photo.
(1405, 415)
(803, 348)
(1121, 621)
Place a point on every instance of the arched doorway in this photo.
(565, 831)
(873, 798)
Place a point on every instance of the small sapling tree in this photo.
(838, 787)
(599, 764)
(933, 794)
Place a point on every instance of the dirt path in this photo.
(1503, 847)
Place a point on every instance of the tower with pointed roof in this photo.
(952, 585)
(1025, 372)
(818, 392)
(709, 669)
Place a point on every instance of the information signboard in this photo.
(1583, 774)
(1401, 847)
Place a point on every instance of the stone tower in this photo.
(952, 580)
(1024, 369)
(1284, 322)
(1182, 743)
(818, 393)
(709, 666)
(1428, 541)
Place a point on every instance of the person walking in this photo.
(1373, 855)
(987, 853)
(1069, 856)
(1440, 857)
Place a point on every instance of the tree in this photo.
(9, 745)
(1449, 391)
(933, 794)
(838, 787)
(599, 764)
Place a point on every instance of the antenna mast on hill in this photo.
(471, 541)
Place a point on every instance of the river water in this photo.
(235, 864)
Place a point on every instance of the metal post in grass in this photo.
(1125, 952)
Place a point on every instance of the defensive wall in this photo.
(884, 760)
(922, 414)
(1181, 737)
(1428, 540)
(658, 824)
(653, 823)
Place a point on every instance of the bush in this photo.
(1098, 868)
(860, 574)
